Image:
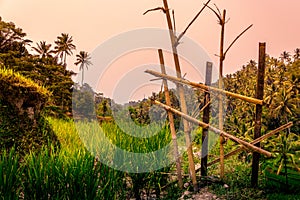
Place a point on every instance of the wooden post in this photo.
(206, 116)
(171, 121)
(182, 98)
(258, 111)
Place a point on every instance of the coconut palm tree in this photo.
(274, 62)
(297, 54)
(43, 49)
(83, 58)
(285, 56)
(64, 46)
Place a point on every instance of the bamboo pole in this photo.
(258, 110)
(171, 121)
(271, 133)
(222, 22)
(182, 98)
(215, 130)
(204, 87)
(222, 57)
(206, 116)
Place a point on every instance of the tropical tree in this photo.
(43, 49)
(83, 58)
(273, 62)
(64, 46)
(12, 38)
(285, 56)
(297, 54)
(43, 71)
(252, 63)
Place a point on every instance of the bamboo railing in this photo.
(215, 130)
(205, 87)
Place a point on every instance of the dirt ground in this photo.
(203, 194)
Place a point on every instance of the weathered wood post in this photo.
(206, 116)
(258, 111)
(171, 121)
(182, 99)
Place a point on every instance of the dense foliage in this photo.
(21, 103)
(282, 105)
(45, 69)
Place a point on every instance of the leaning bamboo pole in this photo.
(171, 121)
(204, 87)
(182, 98)
(271, 133)
(215, 130)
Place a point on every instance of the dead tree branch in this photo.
(219, 16)
(155, 9)
(232, 43)
(194, 19)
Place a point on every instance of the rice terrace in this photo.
(148, 113)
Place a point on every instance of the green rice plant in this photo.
(10, 172)
(66, 133)
(85, 179)
(121, 150)
(52, 176)
(37, 182)
(71, 172)
(83, 142)
(112, 145)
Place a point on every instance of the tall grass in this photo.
(66, 172)
(10, 173)
(89, 164)
(69, 176)
(74, 171)
(126, 152)
(139, 156)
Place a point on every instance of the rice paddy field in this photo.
(71, 171)
(79, 169)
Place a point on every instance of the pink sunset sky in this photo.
(92, 22)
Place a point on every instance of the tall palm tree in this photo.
(83, 58)
(43, 49)
(297, 54)
(274, 62)
(64, 46)
(285, 56)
